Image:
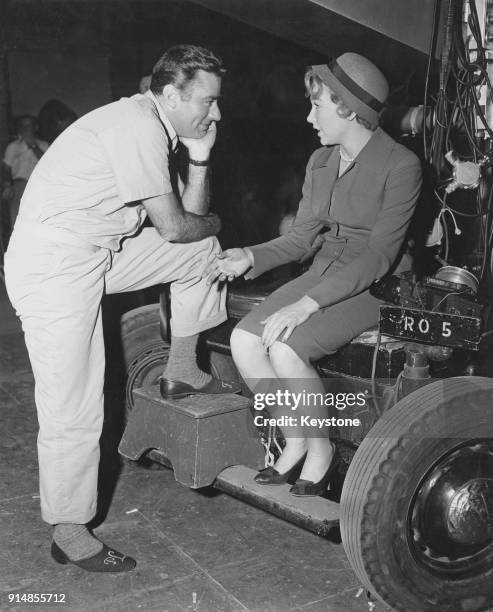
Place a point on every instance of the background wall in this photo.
(82, 82)
(88, 52)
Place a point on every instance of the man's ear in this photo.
(171, 96)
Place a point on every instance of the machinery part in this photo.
(435, 353)
(466, 173)
(417, 503)
(459, 276)
(416, 372)
(435, 292)
(407, 119)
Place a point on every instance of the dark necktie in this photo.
(174, 165)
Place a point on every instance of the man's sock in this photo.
(76, 541)
(182, 362)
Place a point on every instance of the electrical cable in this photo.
(460, 124)
(374, 373)
(431, 52)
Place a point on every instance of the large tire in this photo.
(145, 353)
(139, 327)
(417, 503)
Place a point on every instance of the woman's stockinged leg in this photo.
(251, 359)
(302, 381)
(255, 366)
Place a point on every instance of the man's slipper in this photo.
(176, 389)
(106, 560)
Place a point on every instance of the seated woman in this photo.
(359, 193)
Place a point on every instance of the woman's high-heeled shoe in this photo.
(270, 476)
(309, 488)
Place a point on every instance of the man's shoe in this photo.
(106, 560)
(176, 389)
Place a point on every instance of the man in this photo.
(77, 235)
(19, 160)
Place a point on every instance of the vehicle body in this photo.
(416, 509)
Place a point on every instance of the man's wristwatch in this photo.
(195, 162)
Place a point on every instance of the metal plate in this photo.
(430, 327)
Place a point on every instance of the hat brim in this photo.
(354, 103)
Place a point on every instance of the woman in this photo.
(359, 194)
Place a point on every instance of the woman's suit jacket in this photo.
(363, 215)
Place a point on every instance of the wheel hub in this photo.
(451, 518)
(470, 514)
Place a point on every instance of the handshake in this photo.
(228, 265)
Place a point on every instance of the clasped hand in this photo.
(227, 265)
(278, 326)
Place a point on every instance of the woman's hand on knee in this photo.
(281, 324)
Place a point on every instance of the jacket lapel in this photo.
(324, 176)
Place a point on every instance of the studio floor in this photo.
(197, 551)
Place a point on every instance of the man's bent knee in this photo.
(195, 257)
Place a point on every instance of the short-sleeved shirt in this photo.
(93, 177)
(21, 159)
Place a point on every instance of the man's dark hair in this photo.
(20, 121)
(53, 118)
(180, 64)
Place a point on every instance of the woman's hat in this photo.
(357, 82)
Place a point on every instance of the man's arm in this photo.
(175, 224)
(195, 196)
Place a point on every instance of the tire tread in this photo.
(387, 443)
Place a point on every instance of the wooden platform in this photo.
(200, 435)
(316, 514)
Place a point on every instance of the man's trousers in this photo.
(56, 283)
